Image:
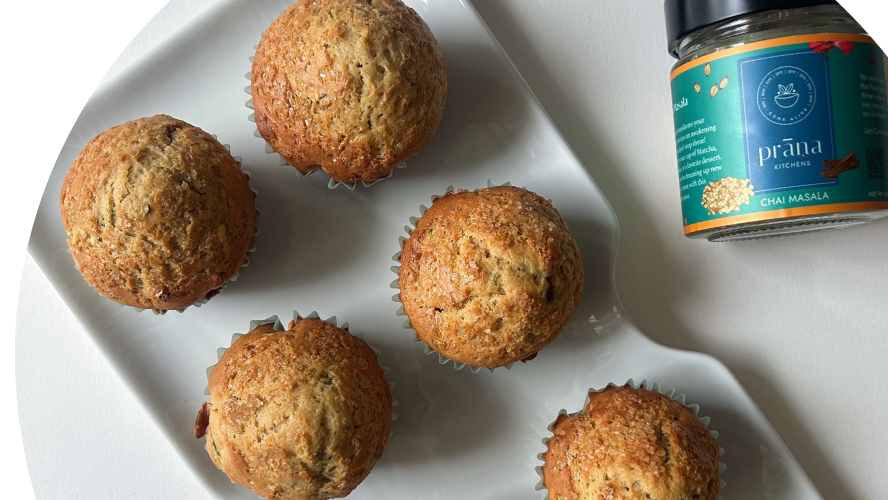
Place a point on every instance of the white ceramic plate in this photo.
(459, 434)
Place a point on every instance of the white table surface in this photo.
(800, 321)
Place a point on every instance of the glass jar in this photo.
(781, 118)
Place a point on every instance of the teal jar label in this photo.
(782, 128)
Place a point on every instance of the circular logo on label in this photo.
(786, 95)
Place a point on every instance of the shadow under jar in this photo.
(780, 118)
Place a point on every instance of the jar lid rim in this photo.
(684, 17)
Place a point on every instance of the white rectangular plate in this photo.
(459, 434)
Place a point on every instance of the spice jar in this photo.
(781, 117)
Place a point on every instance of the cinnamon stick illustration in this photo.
(832, 168)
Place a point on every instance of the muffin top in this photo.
(631, 444)
(301, 414)
(158, 213)
(490, 277)
(351, 86)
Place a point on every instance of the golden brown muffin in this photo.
(351, 86)
(490, 277)
(297, 415)
(631, 444)
(158, 213)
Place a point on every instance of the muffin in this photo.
(354, 87)
(631, 444)
(301, 414)
(158, 213)
(490, 277)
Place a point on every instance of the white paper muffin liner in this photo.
(217, 291)
(645, 384)
(397, 297)
(283, 163)
(279, 327)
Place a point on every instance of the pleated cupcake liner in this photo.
(332, 184)
(395, 285)
(279, 327)
(217, 291)
(645, 384)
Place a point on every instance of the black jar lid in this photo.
(684, 17)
